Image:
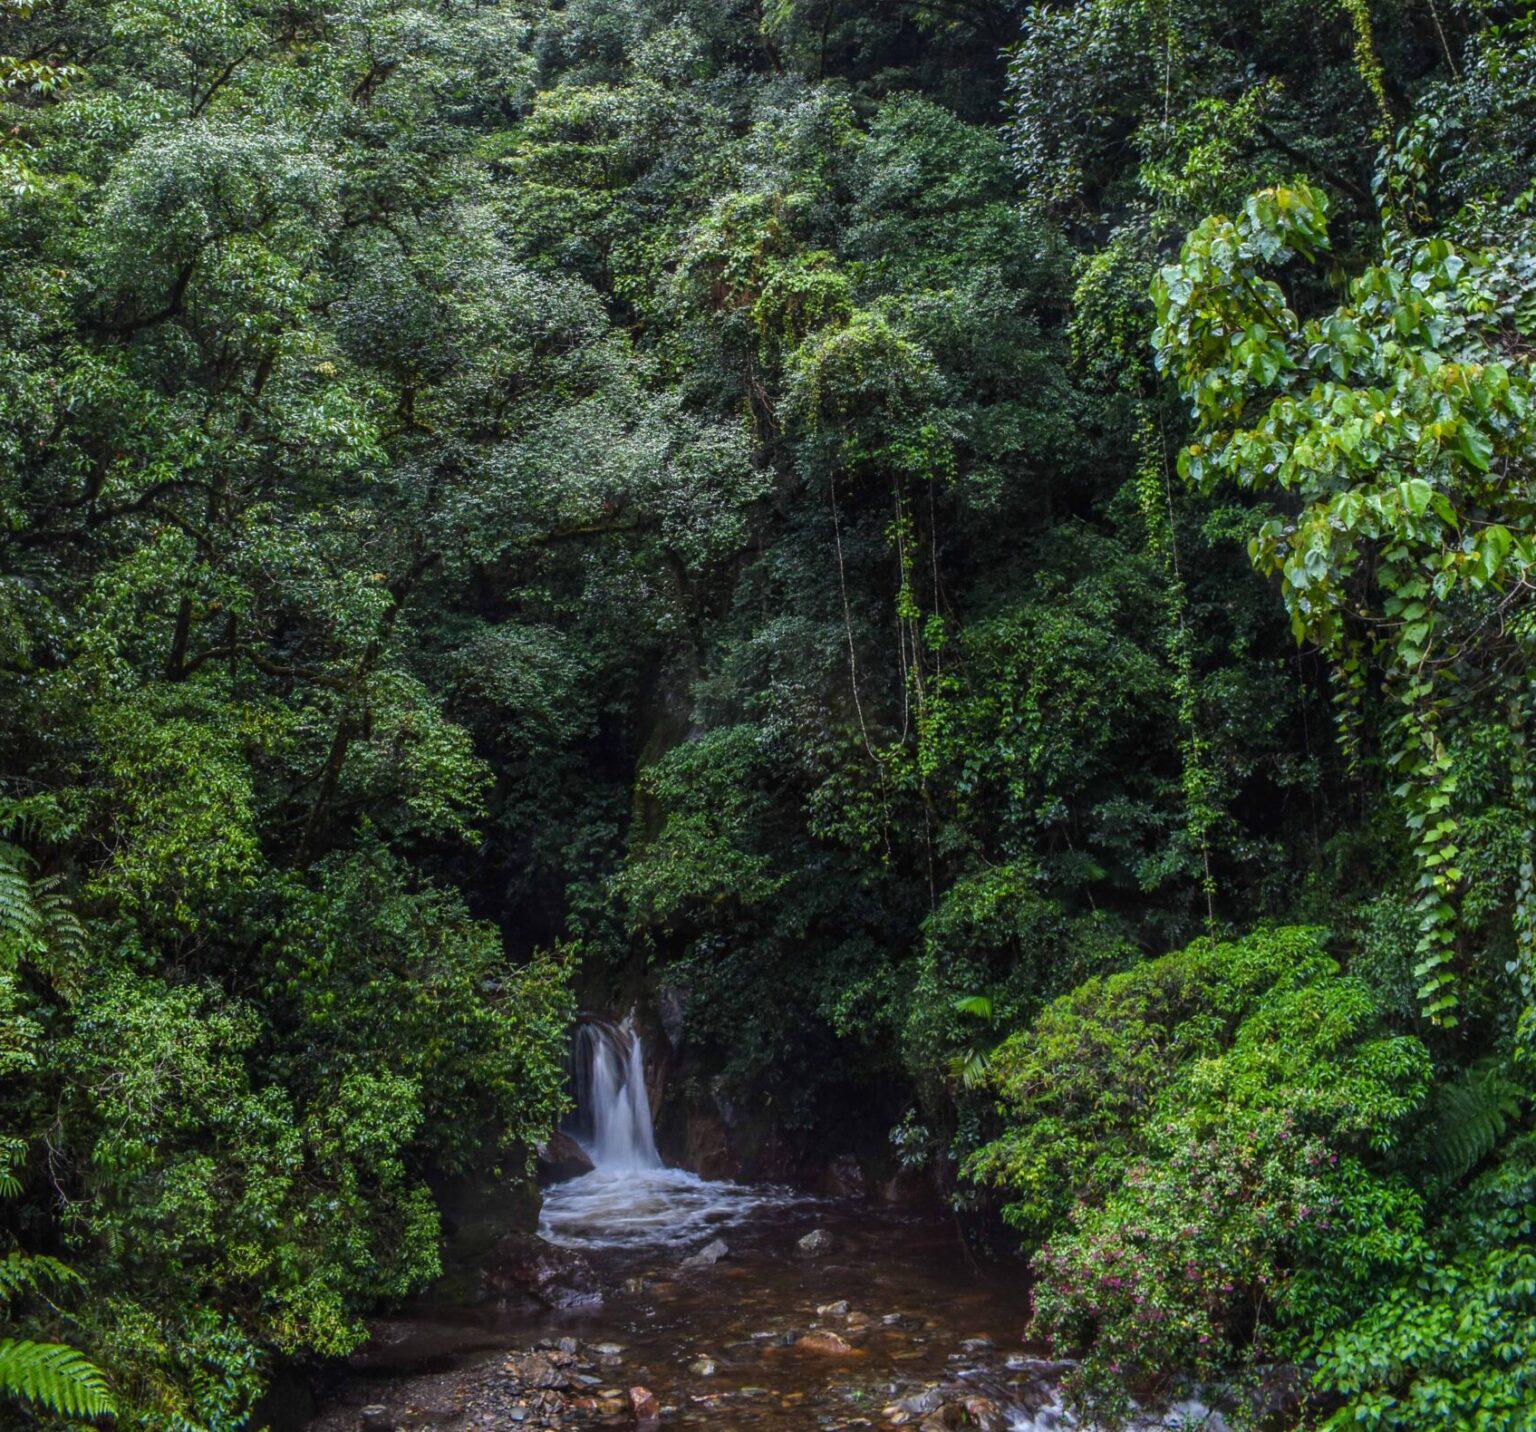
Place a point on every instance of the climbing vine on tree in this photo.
(1401, 423)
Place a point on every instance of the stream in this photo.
(692, 1303)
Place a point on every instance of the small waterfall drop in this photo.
(613, 1107)
(631, 1199)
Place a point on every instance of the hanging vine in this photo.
(1154, 496)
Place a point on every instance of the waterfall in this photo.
(613, 1108)
(631, 1199)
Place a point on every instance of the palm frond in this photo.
(979, 1005)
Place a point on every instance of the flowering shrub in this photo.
(1216, 1113)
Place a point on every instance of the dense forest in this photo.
(984, 550)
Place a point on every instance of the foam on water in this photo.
(648, 1208)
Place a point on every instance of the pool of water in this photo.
(727, 1345)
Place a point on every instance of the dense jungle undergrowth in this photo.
(990, 546)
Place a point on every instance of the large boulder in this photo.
(562, 1158)
(816, 1243)
(524, 1267)
(825, 1343)
(707, 1256)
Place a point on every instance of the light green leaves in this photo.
(1404, 432)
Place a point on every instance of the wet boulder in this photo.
(524, 1266)
(707, 1256)
(816, 1243)
(542, 1371)
(826, 1344)
(561, 1158)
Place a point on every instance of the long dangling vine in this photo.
(1367, 61)
(1523, 788)
(1154, 497)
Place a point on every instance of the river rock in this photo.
(816, 1242)
(839, 1309)
(919, 1404)
(708, 1255)
(525, 1265)
(825, 1344)
(562, 1158)
(985, 1415)
(544, 1371)
(643, 1403)
(703, 1367)
(374, 1418)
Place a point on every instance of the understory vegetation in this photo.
(985, 548)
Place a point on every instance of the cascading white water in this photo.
(631, 1199)
(612, 1100)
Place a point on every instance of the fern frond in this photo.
(28, 1272)
(21, 922)
(62, 933)
(53, 1376)
(1470, 1115)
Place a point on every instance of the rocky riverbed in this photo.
(775, 1312)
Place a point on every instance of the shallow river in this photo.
(739, 1343)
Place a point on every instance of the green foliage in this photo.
(1469, 1115)
(1193, 1148)
(691, 480)
(1406, 436)
(1450, 1345)
(55, 1377)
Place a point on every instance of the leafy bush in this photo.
(1453, 1343)
(1192, 1149)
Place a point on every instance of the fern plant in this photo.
(36, 921)
(21, 922)
(1470, 1115)
(53, 1376)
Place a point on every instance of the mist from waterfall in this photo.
(613, 1105)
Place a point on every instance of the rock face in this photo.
(562, 1158)
(909, 1188)
(816, 1243)
(525, 1266)
(843, 1178)
(709, 1146)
